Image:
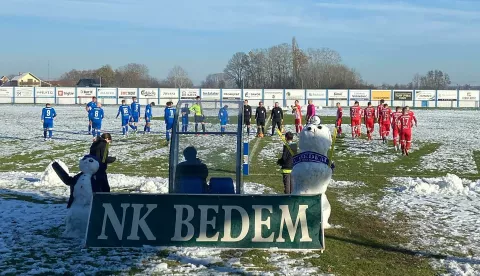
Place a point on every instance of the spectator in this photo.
(286, 162)
(192, 167)
(310, 110)
(99, 148)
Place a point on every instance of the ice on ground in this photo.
(444, 215)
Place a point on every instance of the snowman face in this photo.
(315, 120)
(89, 165)
(316, 138)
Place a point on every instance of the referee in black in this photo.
(247, 115)
(277, 118)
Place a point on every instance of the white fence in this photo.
(285, 97)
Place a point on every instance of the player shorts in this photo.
(298, 121)
(370, 124)
(184, 121)
(386, 128)
(260, 122)
(338, 122)
(148, 119)
(199, 119)
(134, 119)
(223, 122)
(406, 135)
(396, 132)
(96, 125)
(246, 121)
(356, 122)
(169, 125)
(48, 124)
(125, 121)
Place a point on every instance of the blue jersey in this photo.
(91, 105)
(125, 111)
(48, 113)
(96, 114)
(135, 107)
(223, 115)
(148, 111)
(169, 114)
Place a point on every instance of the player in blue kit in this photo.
(223, 117)
(126, 112)
(96, 117)
(169, 118)
(48, 113)
(185, 112)
(148, 117)
(135, 118)
(88, 108)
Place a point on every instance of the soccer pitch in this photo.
(392, 215)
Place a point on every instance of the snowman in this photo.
(82, 187)
(312, 172)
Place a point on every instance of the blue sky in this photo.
(386, 41)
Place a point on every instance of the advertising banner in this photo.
(294, 94)
(403, 95)
(106, 92)
(148, 93)
(316, 94)
(44, 92)
(6, 92)
(425, 95)
(359, 95)
(252, 94)
(469, 95)
(189, 93)
(66, 92)
(210, 94)
(447, 95)
(273, 94)
(231, 94)
(127, 92)
(86, 92)
(337, 94)
(169, 93)
(23, 92)
(378, 95)
(231, 221)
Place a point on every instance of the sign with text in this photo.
(24, 92)
(469, 95)
(231, 94)
(252, 94)
(66, 92)
(447, 95)
(359, 95)
(106, 92)
(127, 92)
(337, 94)
(231, 221)
(294, 94)
(148, 93)
(189, 93)
(212, 94)
(378, 95)
(403, 95)
(273, 94)
(86, 92)
(425, 95)
(6, 91)
(44, 92)
(316, 94)
(169, 93)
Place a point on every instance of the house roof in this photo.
(19, 77)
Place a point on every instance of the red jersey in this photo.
(339, 113)
(356, 112)
(386, 114)
(411, 114)
(369, 113)
(406, 122)
(395, 117)
(379, 111)
(297, 112)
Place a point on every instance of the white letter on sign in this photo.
(259, 223)
(227, 231)
(292, 229)
(110, 213)
(179, 222)
(140, 222)
(204, 222)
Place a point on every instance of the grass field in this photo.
(363, 241)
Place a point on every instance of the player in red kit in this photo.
(396, 127)
(356, 119)
(297, 112)
(338, 122)
(386, 119)
(369, 119)
(377, 116)
(406, 123)
(414, 119)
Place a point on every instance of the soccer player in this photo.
(247, 115)
(338, 122)
(88, 108)
(148, 117)
(369, 119)
(377, 116)
(396, 127)
(310, 110)
(297, 112)
(169, 118)
(356, 119)
(134, 119)
(277, 118)
(414, 119)
(48, 115)
(386, 119)
(260, 118)
(223, 117)
(96, 117)
(185, 112)
(406, 123)
(198, 114)
(126, 112)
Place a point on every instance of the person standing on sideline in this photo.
(277, 118)
(148, 117)
(96, 117)
(198, 114)
(169, 117)
(100, 148)
(338, 122)
(223, 117)
(297, 112)
(185, 112)
(310, 110)
(247, 115)
(88, 108)
(48, 115)
(286, 162)
(260, 118)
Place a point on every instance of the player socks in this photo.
(203, 127)
(248, 130)
(45, 134)
(89, 128)
(50, 133)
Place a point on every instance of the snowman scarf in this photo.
(312, 157)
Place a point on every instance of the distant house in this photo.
(62, 83)
(89, 83)
(4, 80)
(25, 79)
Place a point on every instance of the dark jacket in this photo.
(247, 112)
(259, 115)
(99, 149)
(286, 161)
(192, 169)
(277, 114)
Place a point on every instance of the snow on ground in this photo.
(444, 215)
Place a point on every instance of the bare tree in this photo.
(179, 78)
(236, 68)
(132, 75)
(107, 75)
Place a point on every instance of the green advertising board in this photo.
(230, 221)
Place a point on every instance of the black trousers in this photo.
(278, 124)
(287, 183)
(102, 178)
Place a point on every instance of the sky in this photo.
(385, 41)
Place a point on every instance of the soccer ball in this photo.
(260, 135)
